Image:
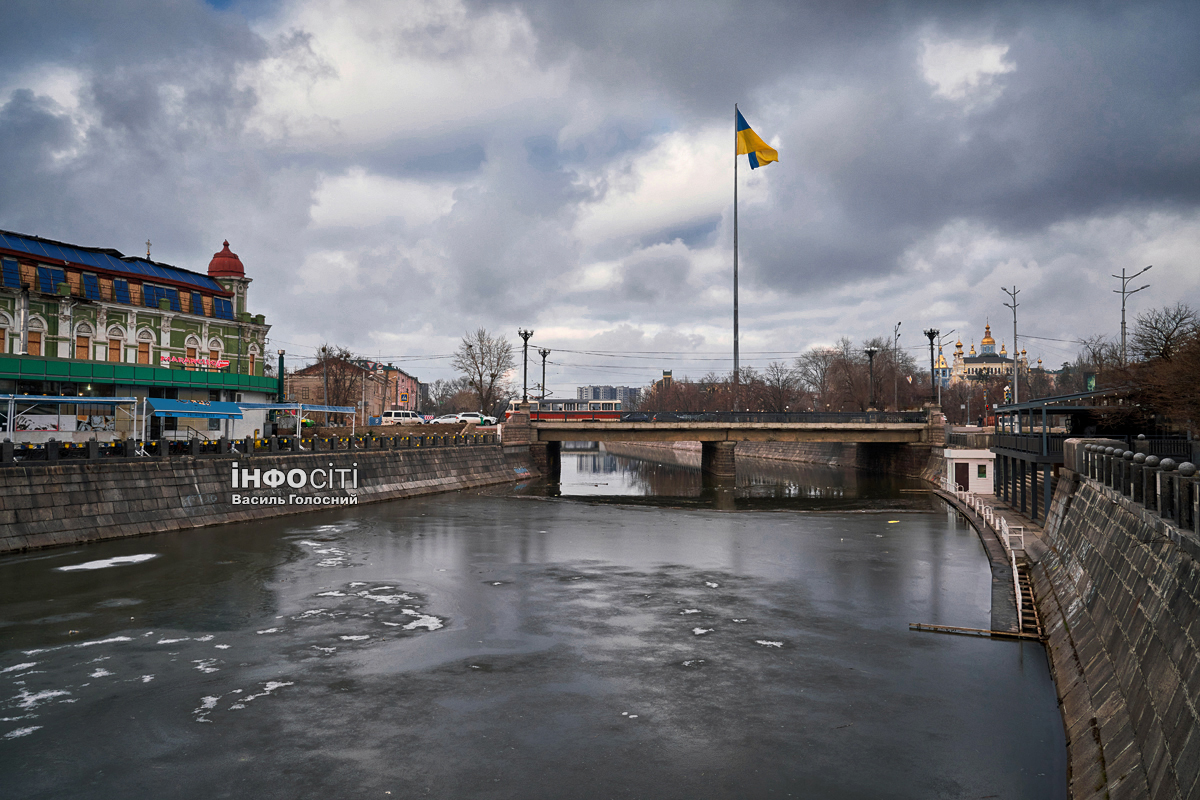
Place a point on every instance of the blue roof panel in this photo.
(103, 260)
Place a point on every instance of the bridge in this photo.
(718, 432)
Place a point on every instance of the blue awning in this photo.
(198, 409)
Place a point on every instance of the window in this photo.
(82, 347)
(151, 294)
(114, 349)
(197, 304)
(91, 287)
(191, 354)
(213, 355)
(121, 291)
(982, 471)
(251, 372)
(11, 274)
(35, 343)
(222, 308)
(304, 393)
(143, 353)
(49, 278)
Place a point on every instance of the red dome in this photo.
(226, 264)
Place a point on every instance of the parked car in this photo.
(476, 417)
(402, 418)
(445, 419)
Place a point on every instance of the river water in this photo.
(624, 634)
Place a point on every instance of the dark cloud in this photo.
(1098, 118)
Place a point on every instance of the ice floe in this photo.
(100, 672)
(205, 664)
(109, 562)
(18, 667)
(702, 631)
(766, 643)
(19, 732)
(27, 700)
(354, 638)
(690, 611)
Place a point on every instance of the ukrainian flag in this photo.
(751, 143)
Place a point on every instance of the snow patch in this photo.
(100, 672)
(205, 664)
(27, 701)
(702, 631)
(333, 593)
(174, 641)
(267, 630)
(690, 611)
(109, 640)
(766, 643)
(354, 638)
(424, 621)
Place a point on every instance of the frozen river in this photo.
(625, 639)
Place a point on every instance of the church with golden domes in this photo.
(981, 366)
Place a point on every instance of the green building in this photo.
(85, 321)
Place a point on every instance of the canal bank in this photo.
(44, 505)
(1117, 588)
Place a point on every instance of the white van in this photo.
(402, 418)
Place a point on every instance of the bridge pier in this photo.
(717, 460)
(547, 457)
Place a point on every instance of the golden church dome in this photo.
(987, 336)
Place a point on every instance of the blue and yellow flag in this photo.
(751, 143)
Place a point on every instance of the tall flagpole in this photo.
(736, 364)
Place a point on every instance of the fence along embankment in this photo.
(1119, 595)
(43, 504)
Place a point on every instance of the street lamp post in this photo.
(871, 351)
(896, 368)
(932, 333)
(1124, 291)
(524, 334)
(545, 351)
(1012, 293)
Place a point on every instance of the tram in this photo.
(560, 410)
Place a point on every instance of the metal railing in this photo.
(1012, 537)
(52, 452)
(811, 417)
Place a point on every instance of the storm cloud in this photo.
(394, 174)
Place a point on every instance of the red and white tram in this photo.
(568, 409)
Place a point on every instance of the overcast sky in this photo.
(394, 173)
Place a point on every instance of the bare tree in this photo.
(780, 388)
(813, 370)
(442, 393)
(1159, 332)
(341, 378)
(485, 360)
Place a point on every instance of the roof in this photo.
(193, 408)
(105, 259)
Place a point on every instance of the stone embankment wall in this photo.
(42, 505)
(1118, 590)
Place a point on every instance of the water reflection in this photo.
(660, 476)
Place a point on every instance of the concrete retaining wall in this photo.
(44, 505)
(1120, 603)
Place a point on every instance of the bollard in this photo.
(52, 450)
(1164, 487)
(273, 444)
(193, 447)
(248, 443)
(93, 450)
(1150, 483)
(1137, 481)
(1127, 473)
(6, 452)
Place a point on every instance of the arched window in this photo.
(115, 336)
(37, 326)
(83, 341)
(253, 358)
(214, 350)
(5, 325)
(145, 338)
(192, 349)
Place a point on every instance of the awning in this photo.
(199, 409)
(79, 401)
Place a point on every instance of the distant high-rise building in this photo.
(626, 395)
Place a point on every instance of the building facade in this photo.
(78, 321)
(626, 395)
(981, 366)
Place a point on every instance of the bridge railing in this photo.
(812, 417)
